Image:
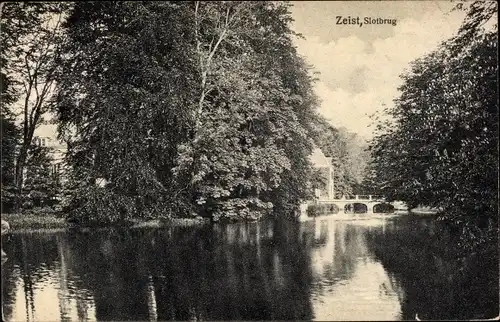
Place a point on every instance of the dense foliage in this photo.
(322, 209)
(442, 149)
(184, 108)
(10, 137)
(40, 187)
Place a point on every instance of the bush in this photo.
(322, 209)
(93, 205)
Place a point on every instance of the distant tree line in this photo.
(350, 157)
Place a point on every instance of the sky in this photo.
(359, 66)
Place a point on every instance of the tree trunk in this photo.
(21, 164)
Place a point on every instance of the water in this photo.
(385, 269)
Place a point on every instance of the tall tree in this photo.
(257, 113)
(442, 150)
(217, 98)
(30, 38)
(126, 85)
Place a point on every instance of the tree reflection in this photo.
(255, 271)
(224, 272)
(439, 281)
(345, 278)
(334, 248)
(9, 276)
(31, 255)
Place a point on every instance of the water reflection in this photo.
(437, 279)
(37, 284)
(318, 270)
(348, 284)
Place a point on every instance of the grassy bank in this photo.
(34, 221)
(154, 223)
(28, 221)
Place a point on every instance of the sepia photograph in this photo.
(249, 160)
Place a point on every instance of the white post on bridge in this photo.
(331, 179)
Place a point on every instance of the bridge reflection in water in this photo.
(316, 270)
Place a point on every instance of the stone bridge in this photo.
(350, 204)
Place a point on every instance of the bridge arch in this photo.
(383, 207)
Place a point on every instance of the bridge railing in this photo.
(356, 197)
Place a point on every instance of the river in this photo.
(381, 269)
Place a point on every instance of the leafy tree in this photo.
(41, 185)
(16, 21)
(30, 41)
(255, 110)
(185, 107)
(442, 149)
(10, 137)
(129, 66)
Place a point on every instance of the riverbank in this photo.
(21, 222)
(35, 221)
(177, 222)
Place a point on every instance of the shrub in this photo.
(322, 209)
